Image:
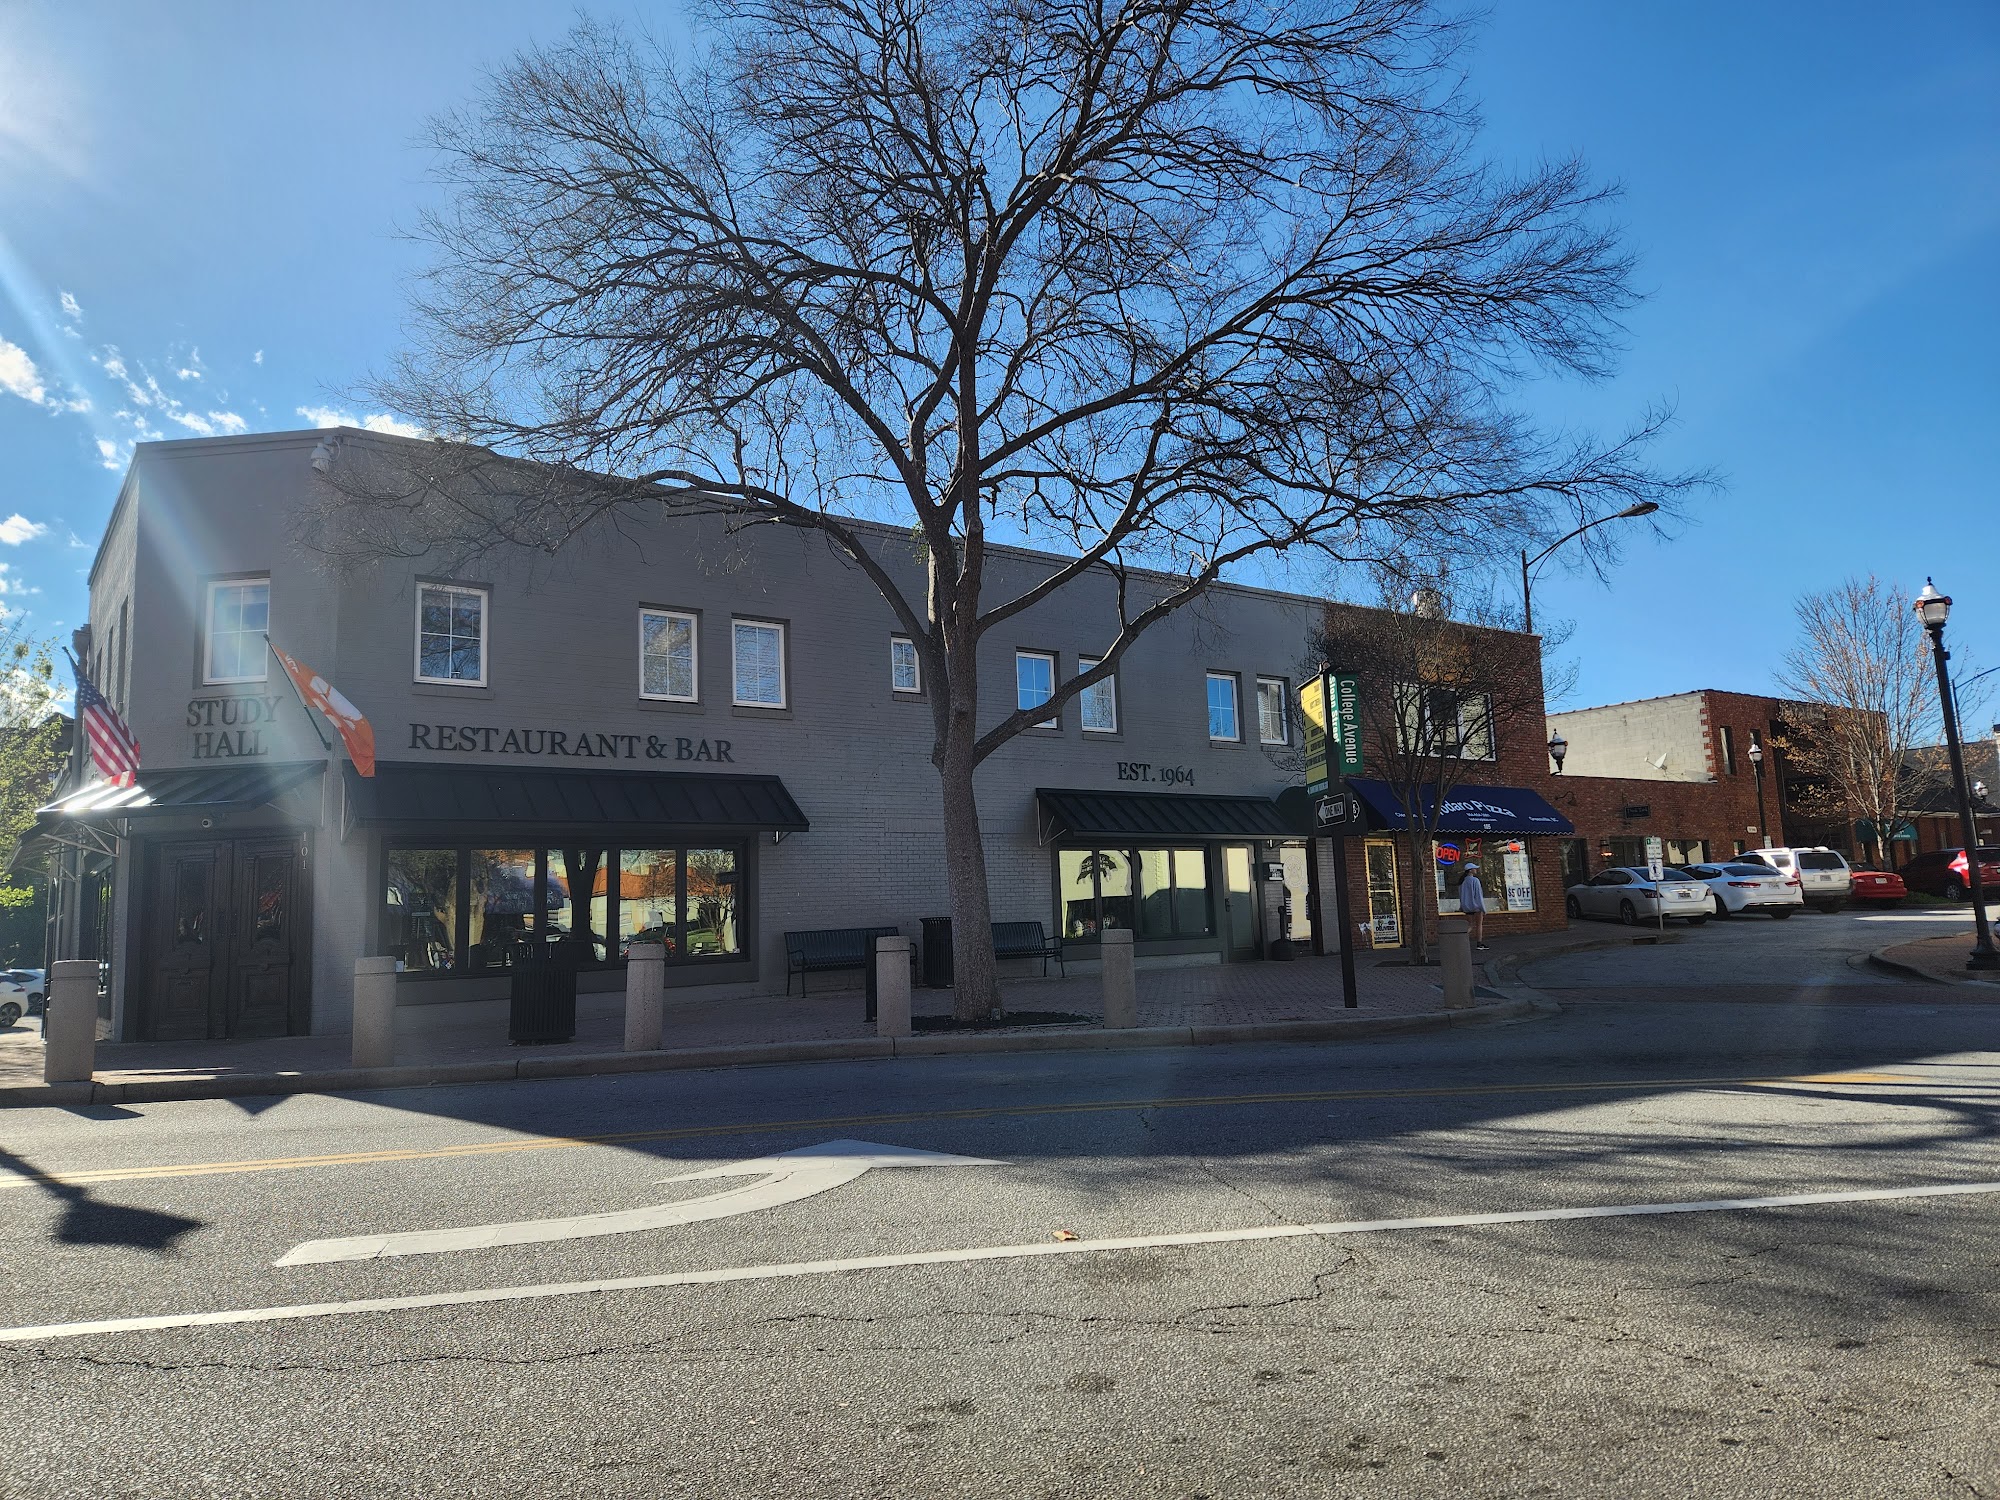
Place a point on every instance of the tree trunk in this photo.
(975, 976)
(1415, 924)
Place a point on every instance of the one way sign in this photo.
(1339, 811)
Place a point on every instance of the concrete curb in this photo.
(590, 1065)
(1880, 959)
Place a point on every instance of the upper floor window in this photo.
(1728, 740)
(1223, 723)
(758, 668)
(905, 675)
(1034, 682)
(1273, 727)
(1443, 722)
(1099, 700)
(239, 612)
(451, 634)
(667, 646)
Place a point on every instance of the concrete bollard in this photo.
(1121, 986)
(69, 1039)
(374, 1042)
(645, 995)
(1455, 953)
(892, 986)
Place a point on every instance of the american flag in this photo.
(112, 748)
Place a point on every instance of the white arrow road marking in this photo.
(787, 1177)
(952, 1257)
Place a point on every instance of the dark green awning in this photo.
(487, 796)
(1079, 815)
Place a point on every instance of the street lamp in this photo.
(1558, 748)
(1643, 508)
(1757, 765)
(1934, 609)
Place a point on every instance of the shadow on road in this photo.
(86, 1221)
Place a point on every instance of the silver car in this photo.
(1738, 888)
(1627, 892)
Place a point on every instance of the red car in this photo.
(1944, 872)
(1877, 888)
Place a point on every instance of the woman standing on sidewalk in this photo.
(1472, 905)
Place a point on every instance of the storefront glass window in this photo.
(1097, 891)
(711, 903)
(1076, 874)
(574, 898)
(420, 908)
(649, 899)
(501, 917)
(1504, 872)
(1114, 889)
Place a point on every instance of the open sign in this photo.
(1447, 854)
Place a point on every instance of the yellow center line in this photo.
(87, 1176)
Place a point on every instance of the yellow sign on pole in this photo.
(1312, 714)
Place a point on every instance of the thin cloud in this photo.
(71, 308)
(17, 529)
(257, 358)
(381, 421)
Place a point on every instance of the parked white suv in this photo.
(1822, 873)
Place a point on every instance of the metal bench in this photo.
(827, 948)
(1028, 940)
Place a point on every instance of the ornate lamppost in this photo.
(1558, 748)
(1934, 609)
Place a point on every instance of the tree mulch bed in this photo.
(1006, 1022)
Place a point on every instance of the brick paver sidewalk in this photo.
(1307, 989)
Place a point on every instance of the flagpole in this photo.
(304, 707)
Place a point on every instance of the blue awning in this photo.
(1467, 809)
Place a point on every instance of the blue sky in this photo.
(199, 205)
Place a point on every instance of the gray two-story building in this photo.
(666, 732)
(662, 733)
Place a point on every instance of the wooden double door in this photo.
(228, 933)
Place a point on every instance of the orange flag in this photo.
(355, 731)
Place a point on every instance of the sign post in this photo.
(1345, 693)
(1656, 870)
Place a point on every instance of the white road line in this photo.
(787, 1178)
(952, 1257)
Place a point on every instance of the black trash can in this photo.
(937, 953)
(542, 999)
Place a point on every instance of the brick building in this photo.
(1679, 768)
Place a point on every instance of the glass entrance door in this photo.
(1385, 909)
(1239, 902)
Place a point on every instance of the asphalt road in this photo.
(1843, 1348)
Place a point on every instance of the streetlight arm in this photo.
(1643, 508)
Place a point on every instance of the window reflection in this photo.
(503, 919)
(574, 900)
(420, 908)
(649, 899)
(711, 902)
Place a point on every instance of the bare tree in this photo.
(1156, 284)
(1862, 740)
(1438, 694)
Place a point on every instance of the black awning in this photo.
(1069, 814)
(1467, 809)
(502, 796)
(195, 789)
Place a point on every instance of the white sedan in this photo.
(1628, 893)
(1736, 889)
(21, 993)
